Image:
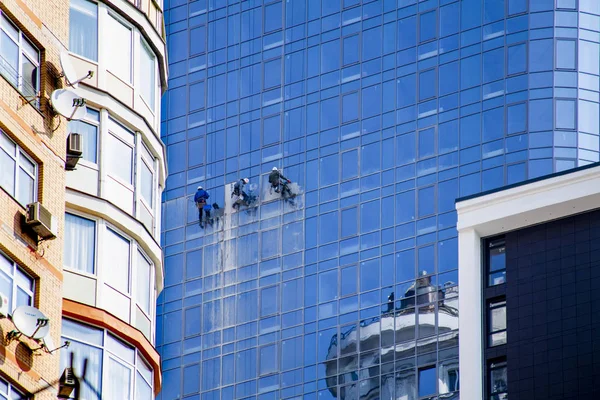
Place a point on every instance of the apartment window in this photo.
(496, 262)
(8, 391)
(83, 29)
(124, 370)
(80, 243)
(427, 381)
(498, 388)
(119, 36)
(88, 129)
(143, 288)
(147, 176)
(117, 261)
(497, 322)
(18, 172)
(19, 59)
(120, 157)
(15, 284)
(147, 73)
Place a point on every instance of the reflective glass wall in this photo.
(383, 112)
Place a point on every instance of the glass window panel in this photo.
(565, 54)
(6, 285)
(119, 36)
(371, 101)
(470, 71)
(407, 32)
(426, 201)
(272, 73)
(517, 121)
(350, 107)
(9, 59)
(516, 6)
(120, 163)
(493, 10)
(350, 49)
(197, 40)
(449, 19)
(588, 117)
(330, 56)
(427, 84)
(271, 130)
(427, 381)
(25, 194)
(407, 90)
(498, 380)
(517, 59)
(118, 380)
(83, 29)
(371, 40)
(328, 286)
(268, 359)
(147, 74)
(80, 243)
(589, 57)
(273, 19)
(540, 115)
(348, 281)
(426, 143)
(89, 134)
(143, 290)
(493, 65)
(116, 261)
(565, 114)
(93, 375)
(330, 113)
(541, 55)
(428, 26)
(269, 301)
(147, 180)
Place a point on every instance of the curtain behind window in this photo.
(80, 240)
(83, 29)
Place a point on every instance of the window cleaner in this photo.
(200, 199)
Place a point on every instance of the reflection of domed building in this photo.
(361, 363)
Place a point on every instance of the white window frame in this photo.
(109, 354)
(118, 19)
(95, 122)
(149, 313)
(97, 223)
(131, 259)
(15, 284)
(12, 392)
(19, 41)
(97, 34)
(150, 103)
(16, 156)
(151, 164)
(129, 141)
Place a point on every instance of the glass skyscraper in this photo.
(383, 112)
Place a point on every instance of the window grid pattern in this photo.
(19, 171)
(15, 284)
(384, 112)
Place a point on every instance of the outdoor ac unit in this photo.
(66, 384)
(74, 150)
(4, 311)
(41, 221)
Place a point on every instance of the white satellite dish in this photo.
(30, 322)
(68, 104)
(69, 71)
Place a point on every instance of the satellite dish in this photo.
(30, 322)
(69, 71)
(68, 104)
(48, 343)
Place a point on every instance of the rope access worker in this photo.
(276, 178)
(238, 190)
(200, 199)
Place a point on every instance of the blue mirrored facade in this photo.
(383, 112)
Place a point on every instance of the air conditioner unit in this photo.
(41, 221)
(66, 384)
(74, 150)
(4, 311)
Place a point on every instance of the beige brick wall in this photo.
(42, 135)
